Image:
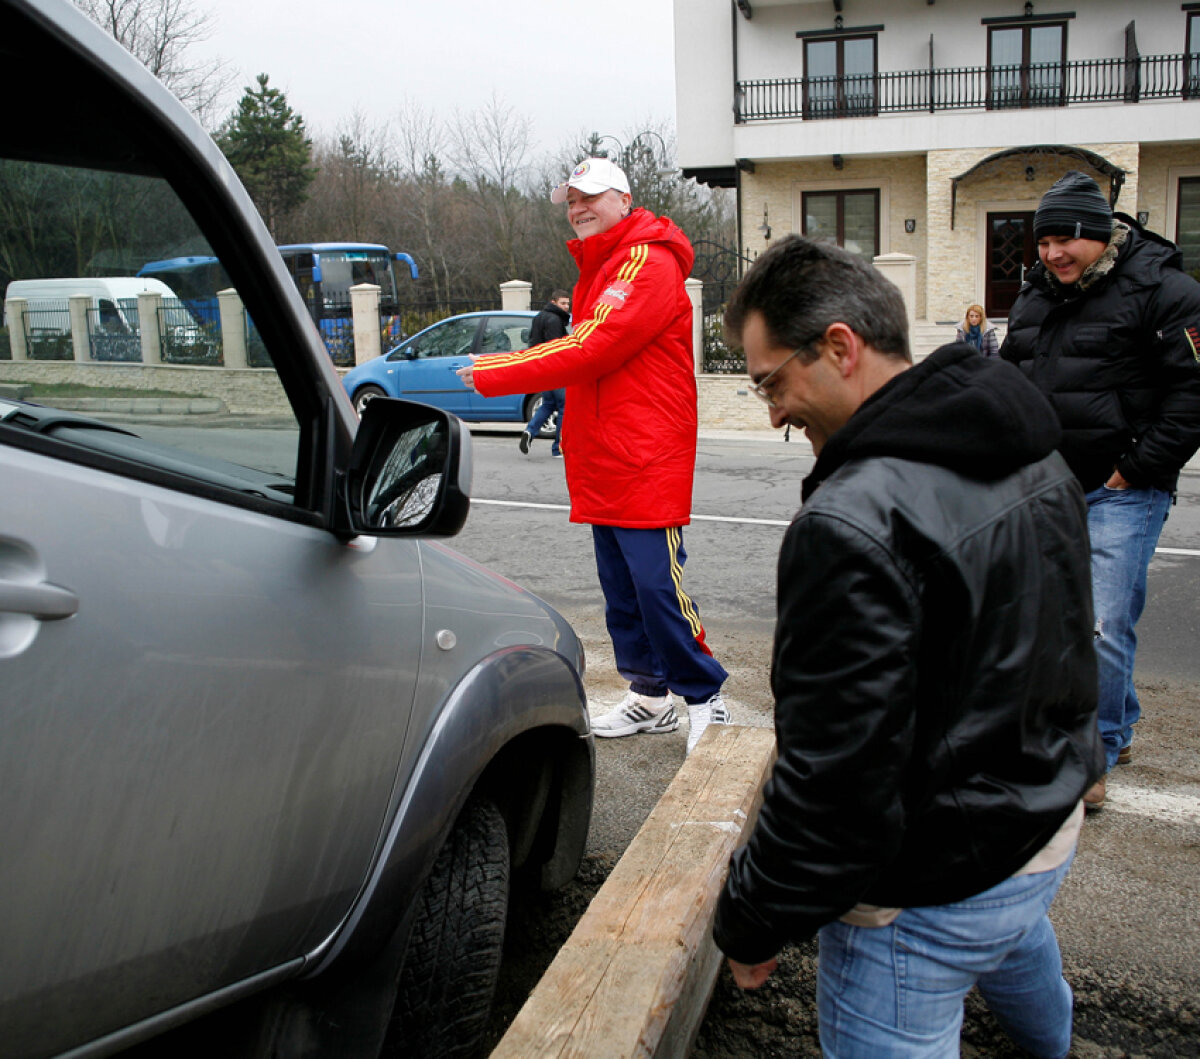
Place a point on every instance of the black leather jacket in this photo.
(1118, 354)
(933, 670)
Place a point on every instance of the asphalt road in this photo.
(1129, 915)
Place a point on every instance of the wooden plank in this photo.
(635, 976)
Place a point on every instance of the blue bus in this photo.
(322, 272)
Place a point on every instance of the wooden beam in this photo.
(636, 974)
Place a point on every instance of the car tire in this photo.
(452, 963)
(532, 403)
(364, 394)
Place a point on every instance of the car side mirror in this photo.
(409, 473)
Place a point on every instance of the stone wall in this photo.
(956, 264)
(246, 391)
(1156, 189)
(779, 187)
(725, 402)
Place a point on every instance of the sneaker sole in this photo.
(635, 729)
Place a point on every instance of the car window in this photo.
(151, 383)
(505, 333)
(453, 338)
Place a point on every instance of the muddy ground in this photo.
(1118, 1015)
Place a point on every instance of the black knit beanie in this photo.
(1075, 207)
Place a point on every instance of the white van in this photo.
(114, 299)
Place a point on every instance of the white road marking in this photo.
(695, 518)
(1157, 805)
(1193, 552)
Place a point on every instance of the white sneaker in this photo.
(702, 714)
(637, 713)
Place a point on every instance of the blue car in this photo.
(424, 368)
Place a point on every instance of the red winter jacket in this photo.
(629, 424)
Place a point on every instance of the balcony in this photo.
(970, 88)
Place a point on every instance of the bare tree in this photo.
(490, 150)
(434, 224)
(355, 187)
(160, 34)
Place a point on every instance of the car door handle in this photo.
(44, 601)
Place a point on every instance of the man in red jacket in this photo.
(629, 442)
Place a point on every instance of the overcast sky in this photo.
(567, 68)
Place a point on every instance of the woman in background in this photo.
(977, 332)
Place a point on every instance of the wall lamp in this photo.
(765, 227)
(838, 161)
(1028, 10)
(838, 23)
(910, 225)
(1029, 172)
(1143, 217)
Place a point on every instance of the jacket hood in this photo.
(557, 310)
(975, 415)
(641, 226)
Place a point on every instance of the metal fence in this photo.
(48, 333)
(335, 321)
(971, 88)
(719, 267)
(114, 335)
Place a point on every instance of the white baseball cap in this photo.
(592, 176)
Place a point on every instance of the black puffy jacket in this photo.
(550, 324)
(1114, 354)
(933, 670)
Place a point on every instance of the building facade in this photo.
(928, 131)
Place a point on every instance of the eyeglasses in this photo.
(761, 390)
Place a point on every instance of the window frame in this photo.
(1189, 181)
(839, 194)
(155, 141)
(1025, 98)
(814, 108)
(1191, 54)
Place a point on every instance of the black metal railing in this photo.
(971, 88)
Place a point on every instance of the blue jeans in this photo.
(897, 992)
(552, 401)
(1124, 526)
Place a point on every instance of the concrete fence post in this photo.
(364, 307)
(14, 320)
(81, 343)
(233, 328)
(695, 291)
(516, 296)
(901, 269)
(149, 304)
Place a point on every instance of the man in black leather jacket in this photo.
(1107, 325)
(933, 673)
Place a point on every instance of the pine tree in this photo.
(266, 143)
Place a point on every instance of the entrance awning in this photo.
(1115, 174)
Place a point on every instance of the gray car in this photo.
(267, 745)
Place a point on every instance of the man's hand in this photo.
(467, 375)
(1118, 481)
(751, 976)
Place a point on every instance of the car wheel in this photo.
(453, 960)
(532, 403)
(365, 394)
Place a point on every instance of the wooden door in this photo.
(1010, 251)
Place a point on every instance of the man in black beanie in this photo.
(1107, 325)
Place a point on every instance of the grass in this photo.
(73, 389)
